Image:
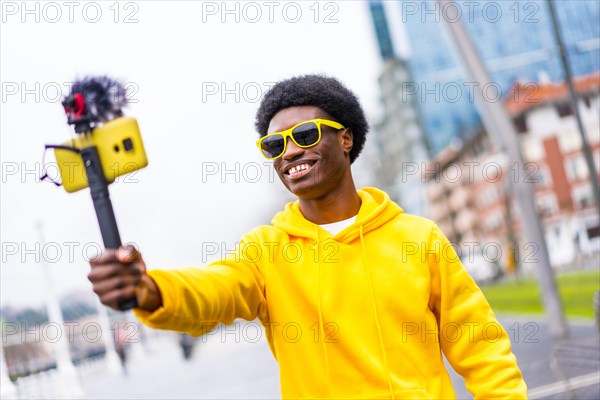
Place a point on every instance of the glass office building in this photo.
(398, 136)
(514, 38)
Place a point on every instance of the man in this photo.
(358, 299)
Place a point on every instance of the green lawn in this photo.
(523, 297)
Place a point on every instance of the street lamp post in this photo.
(67, 385)
(113, 365)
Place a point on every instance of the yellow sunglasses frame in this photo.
(288, 133)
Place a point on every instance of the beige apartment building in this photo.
(468, 184)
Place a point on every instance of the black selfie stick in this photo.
(101, 198)
(103, 206)
(92, 101)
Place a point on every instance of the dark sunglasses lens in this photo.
(272, 146)
(306, 134)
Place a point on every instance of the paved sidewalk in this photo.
(533, 347)
(217, 370)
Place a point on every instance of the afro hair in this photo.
(321, 91)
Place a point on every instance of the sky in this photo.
(195, 72)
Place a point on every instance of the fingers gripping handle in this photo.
(103, 207)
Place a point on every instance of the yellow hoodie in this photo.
(364, 314)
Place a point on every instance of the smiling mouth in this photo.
(300, 170)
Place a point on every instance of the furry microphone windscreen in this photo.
(97, 99)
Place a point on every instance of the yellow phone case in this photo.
(120, 148)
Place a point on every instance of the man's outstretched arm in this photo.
(191, 300)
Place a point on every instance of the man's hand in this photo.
(120, 274)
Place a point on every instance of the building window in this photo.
(564, 109)
(488, 196)
(583, 196)
(494, 221)
(520, 124)
(593, 232)
(576, 168)
(542, 177)
(569, 141)
(557, 232)
(533, 149)
(547, 205)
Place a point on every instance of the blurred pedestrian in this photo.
(358, 299)
(120, 337)
(186, 342)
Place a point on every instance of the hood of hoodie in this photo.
(375, 210)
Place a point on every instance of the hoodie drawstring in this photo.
(321, 322)
(371, 291)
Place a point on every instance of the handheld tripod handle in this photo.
(103, 206)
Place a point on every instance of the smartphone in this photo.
(120, 149)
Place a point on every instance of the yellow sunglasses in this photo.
(305, 134)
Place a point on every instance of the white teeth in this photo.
(298, 168)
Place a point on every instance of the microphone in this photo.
(94, 100)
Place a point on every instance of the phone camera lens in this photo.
(128, 144)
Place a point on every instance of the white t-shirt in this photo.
(336, 227)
